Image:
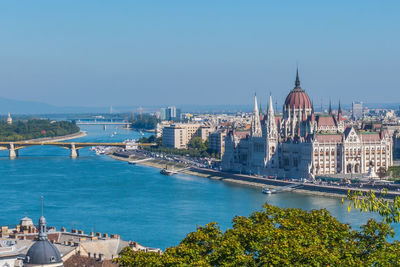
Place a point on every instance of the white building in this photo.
(179, 135)
(300, 143)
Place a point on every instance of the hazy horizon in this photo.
(101, 54)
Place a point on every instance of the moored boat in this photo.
(268, 191)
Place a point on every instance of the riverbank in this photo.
(53, 139)
(58, 138)
(247, 180)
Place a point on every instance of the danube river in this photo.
(97, 193)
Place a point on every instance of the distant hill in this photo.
(31, 107)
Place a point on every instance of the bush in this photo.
(278, 237)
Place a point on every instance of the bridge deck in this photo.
(80, 144)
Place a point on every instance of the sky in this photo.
(103, 53)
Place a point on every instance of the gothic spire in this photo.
(270, 105)
(255, 104)
(330, 107)
(271, 125)
(297, 83)
(255, 122)
(340, 108)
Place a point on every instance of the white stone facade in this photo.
(300, 143)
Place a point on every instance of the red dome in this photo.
(297, 99)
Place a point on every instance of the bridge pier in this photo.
(74, 151)
(13, 152)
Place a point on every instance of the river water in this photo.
(97, 193)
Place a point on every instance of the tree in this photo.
(197, 143)
(278, 237)
(381, 172)
(369, 202)
(146, 121)
(35, 128)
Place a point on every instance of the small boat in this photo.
(167, 172)
(132, 162)
(268, 191)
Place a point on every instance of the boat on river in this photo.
(268, 191)
(167, 171)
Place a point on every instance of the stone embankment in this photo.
(253, 181)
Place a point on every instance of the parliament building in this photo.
(301, 143)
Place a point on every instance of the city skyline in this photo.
(103, 54)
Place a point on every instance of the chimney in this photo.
(98, 234)
(115, 236)
(63, 229)
(133, 244)
(80, 232)
(105, 235)
(74, 231)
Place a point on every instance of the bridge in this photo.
(13, 147)
(101, 123)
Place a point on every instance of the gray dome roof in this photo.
(43, 252)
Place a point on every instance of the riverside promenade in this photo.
(261, 182)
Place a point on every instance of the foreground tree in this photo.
(278, 237)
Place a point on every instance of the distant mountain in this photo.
(31, 107)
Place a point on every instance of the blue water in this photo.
(97, 193)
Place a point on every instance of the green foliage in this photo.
(146, 121)
(394, 171)
(369, 202)
(150, 139)
(35, 128)
(278, 237)
(196, 147)
(381, 172)
(198, 144)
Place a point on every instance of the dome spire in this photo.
(297, 83)
(42, 224)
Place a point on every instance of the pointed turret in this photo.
(255, 103)
(339, 116)
(256, 130)
(270, 106)
(297, 82)
(271, 124)
(330, 108)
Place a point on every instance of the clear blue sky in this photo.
(200, 52)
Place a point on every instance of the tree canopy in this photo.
(145, 121)
(35, 128)
(278, 237)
